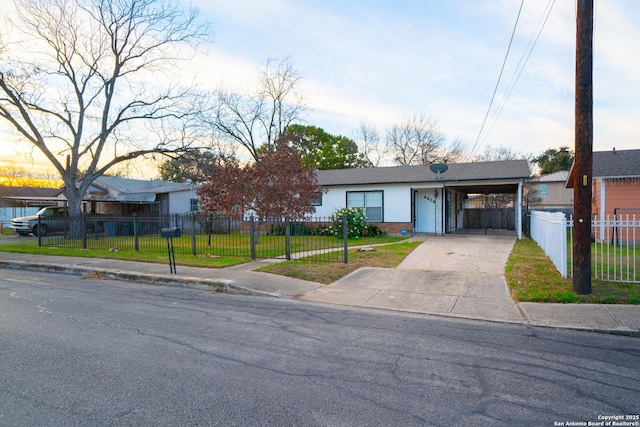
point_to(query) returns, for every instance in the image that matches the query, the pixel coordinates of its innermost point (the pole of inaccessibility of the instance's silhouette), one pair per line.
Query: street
(88, 351)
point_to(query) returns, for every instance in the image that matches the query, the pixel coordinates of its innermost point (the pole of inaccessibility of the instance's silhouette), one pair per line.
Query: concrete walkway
(457, 275)
(460, 276)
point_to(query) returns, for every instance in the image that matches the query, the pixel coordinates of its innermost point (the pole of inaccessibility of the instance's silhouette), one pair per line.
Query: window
(370, 201)
(194, 205)
(317, 200)
(543, 190)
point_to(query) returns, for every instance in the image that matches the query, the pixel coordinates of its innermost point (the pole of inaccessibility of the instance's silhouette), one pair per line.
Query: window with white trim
(370, 201)
(543, 190)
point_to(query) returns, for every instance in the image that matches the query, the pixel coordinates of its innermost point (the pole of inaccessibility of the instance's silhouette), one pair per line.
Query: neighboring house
(22, 201)
(124, 196)
(549, 193)
(414, 199)
(616, 183)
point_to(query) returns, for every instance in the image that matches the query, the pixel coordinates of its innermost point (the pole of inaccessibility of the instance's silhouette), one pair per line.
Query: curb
(183, 282)
(230, 286)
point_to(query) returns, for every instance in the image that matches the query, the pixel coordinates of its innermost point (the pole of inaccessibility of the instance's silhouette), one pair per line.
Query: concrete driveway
(452, 275)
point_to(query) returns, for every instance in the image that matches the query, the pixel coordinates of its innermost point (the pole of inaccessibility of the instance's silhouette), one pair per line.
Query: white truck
(50, 221)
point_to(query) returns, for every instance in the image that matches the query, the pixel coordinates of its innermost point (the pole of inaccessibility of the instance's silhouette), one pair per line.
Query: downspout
(603, 205)
(443, 203)
(519, 211)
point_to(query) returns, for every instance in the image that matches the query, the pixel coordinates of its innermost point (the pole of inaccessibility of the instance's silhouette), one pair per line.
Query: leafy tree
(278, 185)
(256, 121)
(321, 150)
(196, 165)
(553, 160)
(84, 94)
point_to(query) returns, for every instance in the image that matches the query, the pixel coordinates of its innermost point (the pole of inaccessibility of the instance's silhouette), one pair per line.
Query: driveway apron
(454, 275)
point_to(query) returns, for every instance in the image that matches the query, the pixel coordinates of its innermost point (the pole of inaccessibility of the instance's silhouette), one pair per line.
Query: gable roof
(616, 163)
(558, 176)
(612, 164)
(477, 171)
(28, 192)
(127, 190)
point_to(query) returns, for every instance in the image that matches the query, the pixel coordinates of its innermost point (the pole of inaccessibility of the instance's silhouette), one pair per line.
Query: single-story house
(419, 199)
(615, 186)
(549, 193)
(125, 196)
(22, 201)
(615, 183)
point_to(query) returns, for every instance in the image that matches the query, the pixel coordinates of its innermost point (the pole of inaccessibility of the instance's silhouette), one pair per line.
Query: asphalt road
(102, 352)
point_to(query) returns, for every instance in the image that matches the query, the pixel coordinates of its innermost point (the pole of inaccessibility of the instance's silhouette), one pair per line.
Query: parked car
(52, 220)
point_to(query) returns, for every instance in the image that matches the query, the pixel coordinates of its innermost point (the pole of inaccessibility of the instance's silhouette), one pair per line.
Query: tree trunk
(74, 206)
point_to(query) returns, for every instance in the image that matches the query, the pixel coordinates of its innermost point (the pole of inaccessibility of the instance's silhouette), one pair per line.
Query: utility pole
(583, 164)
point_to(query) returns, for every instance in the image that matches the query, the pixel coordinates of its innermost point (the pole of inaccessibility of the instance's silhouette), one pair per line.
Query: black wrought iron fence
(202, 235)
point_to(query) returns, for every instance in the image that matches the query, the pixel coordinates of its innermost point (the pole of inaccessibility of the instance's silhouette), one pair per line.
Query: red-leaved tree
(275, 186)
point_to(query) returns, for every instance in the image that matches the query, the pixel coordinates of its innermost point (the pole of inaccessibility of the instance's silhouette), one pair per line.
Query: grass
(532, 277)
(31, 247)
(387, 256)
(125, 244)
(529, 272)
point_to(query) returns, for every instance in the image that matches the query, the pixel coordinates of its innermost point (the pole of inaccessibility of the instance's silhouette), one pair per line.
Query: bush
(295, 229)
(355, 222)
(323, 230)
(371, 230)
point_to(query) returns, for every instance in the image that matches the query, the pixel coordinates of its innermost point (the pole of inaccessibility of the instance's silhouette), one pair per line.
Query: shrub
(295, 229)
(323, 230)
(355, 222)
(371, 230)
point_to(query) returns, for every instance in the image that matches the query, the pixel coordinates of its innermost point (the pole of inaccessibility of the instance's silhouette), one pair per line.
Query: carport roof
(477, 171)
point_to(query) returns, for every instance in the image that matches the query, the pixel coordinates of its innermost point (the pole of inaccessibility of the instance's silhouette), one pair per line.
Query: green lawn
(155, 249)
(533, 277)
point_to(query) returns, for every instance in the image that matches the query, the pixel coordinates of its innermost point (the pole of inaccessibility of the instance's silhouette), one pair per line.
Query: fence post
(193, 234)
(83, 224)
(39, 233)
(136, 242)
(345, 239)
(287, 238)
(252, 238)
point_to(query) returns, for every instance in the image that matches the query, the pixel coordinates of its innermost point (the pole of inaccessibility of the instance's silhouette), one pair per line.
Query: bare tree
(452, 152)
(12, 175)
(415, 140)
(370, 147)
(493, 154)
(78, 82)
(256, 121)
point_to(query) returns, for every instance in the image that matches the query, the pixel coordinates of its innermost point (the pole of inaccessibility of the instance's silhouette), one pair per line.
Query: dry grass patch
(387, 256)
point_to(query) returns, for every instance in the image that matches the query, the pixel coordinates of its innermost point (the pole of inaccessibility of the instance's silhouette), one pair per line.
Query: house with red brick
(615, 183)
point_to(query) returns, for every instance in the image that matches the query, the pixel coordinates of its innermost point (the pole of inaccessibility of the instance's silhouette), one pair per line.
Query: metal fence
(615, 250)
(202, 235)
(616, 246)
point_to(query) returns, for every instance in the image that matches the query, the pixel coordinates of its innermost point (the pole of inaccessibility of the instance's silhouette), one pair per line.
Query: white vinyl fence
(615, 250)
(549, 230)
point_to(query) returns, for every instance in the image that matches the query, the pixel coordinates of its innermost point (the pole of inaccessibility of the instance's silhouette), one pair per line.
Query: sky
(380, 62)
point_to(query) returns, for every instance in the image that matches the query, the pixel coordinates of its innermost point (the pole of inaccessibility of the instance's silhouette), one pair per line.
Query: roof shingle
(507, 169)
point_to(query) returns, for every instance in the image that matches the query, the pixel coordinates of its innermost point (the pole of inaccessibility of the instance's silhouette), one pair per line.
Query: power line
(504, 62)
(522, 63)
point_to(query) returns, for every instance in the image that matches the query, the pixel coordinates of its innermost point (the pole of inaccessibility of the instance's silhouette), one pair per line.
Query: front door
(425, 211)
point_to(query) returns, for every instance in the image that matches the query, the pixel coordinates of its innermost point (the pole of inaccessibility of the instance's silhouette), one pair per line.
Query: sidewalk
(478, 292)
